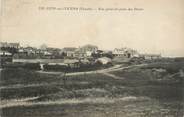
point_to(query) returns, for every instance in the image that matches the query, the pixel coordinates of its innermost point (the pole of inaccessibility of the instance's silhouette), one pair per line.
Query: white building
(151, 56)
(69, 51)
(125, 52)
(104, 60)
(86, 51)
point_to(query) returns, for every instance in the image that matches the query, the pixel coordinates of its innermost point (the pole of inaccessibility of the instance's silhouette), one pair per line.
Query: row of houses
(81, 52)
(69, 52)
(91, 50)
(130, 53)
(9, 45)
(87, 51)
(31, 52)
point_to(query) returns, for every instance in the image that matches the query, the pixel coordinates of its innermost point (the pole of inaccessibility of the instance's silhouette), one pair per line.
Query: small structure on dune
(84, 61)
(104, 60)
(151, 56)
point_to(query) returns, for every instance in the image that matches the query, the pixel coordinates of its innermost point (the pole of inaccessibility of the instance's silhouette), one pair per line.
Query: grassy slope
(165, 93)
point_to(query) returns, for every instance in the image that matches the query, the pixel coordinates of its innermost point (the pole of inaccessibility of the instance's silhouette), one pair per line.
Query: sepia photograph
(98, 58)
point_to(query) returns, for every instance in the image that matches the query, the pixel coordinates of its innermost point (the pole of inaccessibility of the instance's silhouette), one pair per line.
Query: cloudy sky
(157, 28)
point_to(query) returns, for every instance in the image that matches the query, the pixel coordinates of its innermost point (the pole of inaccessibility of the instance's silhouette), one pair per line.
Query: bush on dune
(170, 67)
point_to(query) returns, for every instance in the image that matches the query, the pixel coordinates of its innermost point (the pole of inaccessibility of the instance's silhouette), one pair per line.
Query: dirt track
(113, 68)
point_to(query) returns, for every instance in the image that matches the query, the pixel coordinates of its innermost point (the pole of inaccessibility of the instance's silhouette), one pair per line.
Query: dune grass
(163, 89)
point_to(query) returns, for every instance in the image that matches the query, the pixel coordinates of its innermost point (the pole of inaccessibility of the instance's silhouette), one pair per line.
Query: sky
(156, 28)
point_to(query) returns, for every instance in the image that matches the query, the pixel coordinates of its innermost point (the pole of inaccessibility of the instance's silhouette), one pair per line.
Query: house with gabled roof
(85, 51)
(68, 51)
(125, 52)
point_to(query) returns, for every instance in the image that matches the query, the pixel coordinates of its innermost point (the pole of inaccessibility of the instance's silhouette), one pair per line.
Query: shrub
(55, 67)
(32, 66)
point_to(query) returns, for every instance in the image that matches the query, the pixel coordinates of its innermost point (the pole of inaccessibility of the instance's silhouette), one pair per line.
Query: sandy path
(99, 100)
(28, 85)
(114, 68)
(81, 73)
(112, 75)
